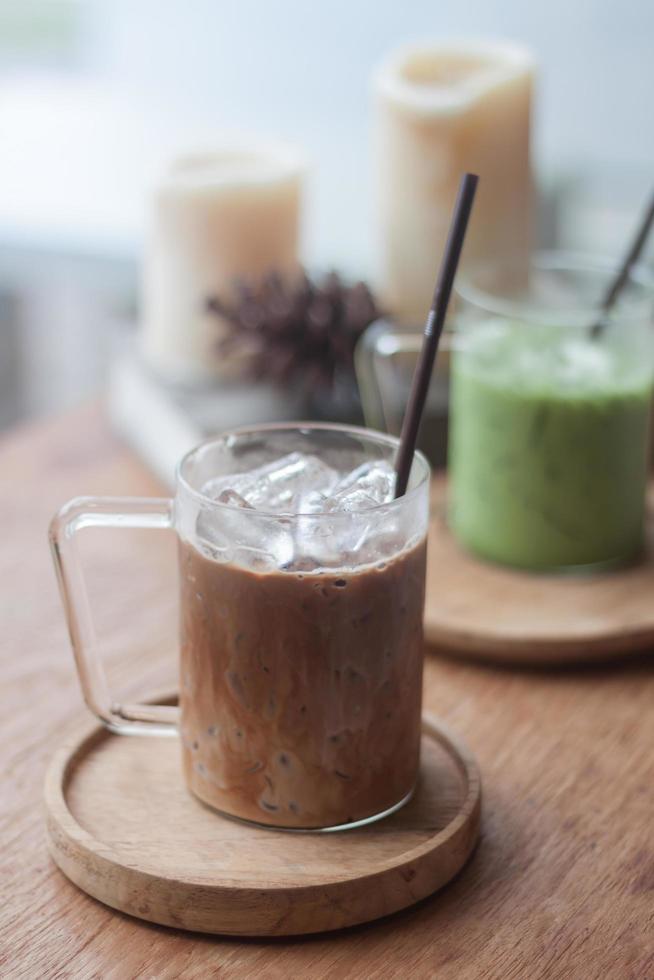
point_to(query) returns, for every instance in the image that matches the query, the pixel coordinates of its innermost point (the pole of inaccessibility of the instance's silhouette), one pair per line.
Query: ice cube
(584, 363)
(212, 536)
(215, 528)
(368, 485)
(353, 531)
(233, 498)
(349, 499)
(283, 486)
(238, 534)
(324, 543)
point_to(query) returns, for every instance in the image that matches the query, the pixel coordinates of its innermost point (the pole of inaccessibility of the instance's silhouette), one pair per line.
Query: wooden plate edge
(295, 910)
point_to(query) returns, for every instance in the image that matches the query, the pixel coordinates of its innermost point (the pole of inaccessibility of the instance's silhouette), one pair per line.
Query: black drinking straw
(622, 275)
(433, 330)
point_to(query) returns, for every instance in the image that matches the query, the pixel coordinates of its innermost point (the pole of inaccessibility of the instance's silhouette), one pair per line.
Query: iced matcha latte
(549, 442)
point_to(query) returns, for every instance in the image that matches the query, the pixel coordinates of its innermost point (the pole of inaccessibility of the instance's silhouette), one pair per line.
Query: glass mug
(301, 633)
(545, 429)
(550, 414)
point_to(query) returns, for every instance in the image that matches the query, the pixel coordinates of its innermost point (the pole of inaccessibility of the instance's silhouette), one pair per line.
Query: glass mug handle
(375, 352)
(114, 512)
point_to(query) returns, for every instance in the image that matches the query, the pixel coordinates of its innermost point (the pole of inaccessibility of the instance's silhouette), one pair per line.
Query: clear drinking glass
(301, 633)
(549, 418)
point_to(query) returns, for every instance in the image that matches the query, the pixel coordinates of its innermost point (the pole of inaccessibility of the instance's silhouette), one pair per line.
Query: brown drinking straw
(433, 330)
(622, 275)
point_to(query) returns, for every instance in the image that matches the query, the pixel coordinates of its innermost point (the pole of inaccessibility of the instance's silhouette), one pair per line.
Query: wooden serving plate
(477, 609)
(123, 827)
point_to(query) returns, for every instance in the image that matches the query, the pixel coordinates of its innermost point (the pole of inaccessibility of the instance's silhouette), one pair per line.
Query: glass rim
(372, 435)
(580, 315)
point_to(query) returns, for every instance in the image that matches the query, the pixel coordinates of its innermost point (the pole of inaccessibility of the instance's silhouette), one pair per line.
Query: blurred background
(96, 96)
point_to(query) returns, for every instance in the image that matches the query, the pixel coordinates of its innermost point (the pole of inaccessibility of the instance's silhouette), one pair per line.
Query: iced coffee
(302, 585)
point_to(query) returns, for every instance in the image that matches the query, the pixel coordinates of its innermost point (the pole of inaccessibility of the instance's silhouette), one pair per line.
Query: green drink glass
(549, 423)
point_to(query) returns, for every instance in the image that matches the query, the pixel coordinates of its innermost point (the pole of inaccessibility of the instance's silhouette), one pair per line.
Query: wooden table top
(561, 885)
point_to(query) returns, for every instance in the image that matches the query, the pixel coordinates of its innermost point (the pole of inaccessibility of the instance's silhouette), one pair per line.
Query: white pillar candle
(441, 109)
(216, 218)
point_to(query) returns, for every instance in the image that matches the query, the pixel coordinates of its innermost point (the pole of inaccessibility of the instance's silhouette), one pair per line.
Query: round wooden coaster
(123, 827)
(486, 611)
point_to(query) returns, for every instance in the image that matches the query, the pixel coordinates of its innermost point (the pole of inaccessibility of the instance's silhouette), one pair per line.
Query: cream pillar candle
(442, 109)
(215, 218)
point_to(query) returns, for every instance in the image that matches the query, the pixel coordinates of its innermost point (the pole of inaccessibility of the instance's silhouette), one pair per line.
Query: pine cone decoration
(303, 332)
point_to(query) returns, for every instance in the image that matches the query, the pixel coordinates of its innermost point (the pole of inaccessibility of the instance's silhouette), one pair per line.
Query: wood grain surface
(123, 826)
(561, 885)
(490, 612)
